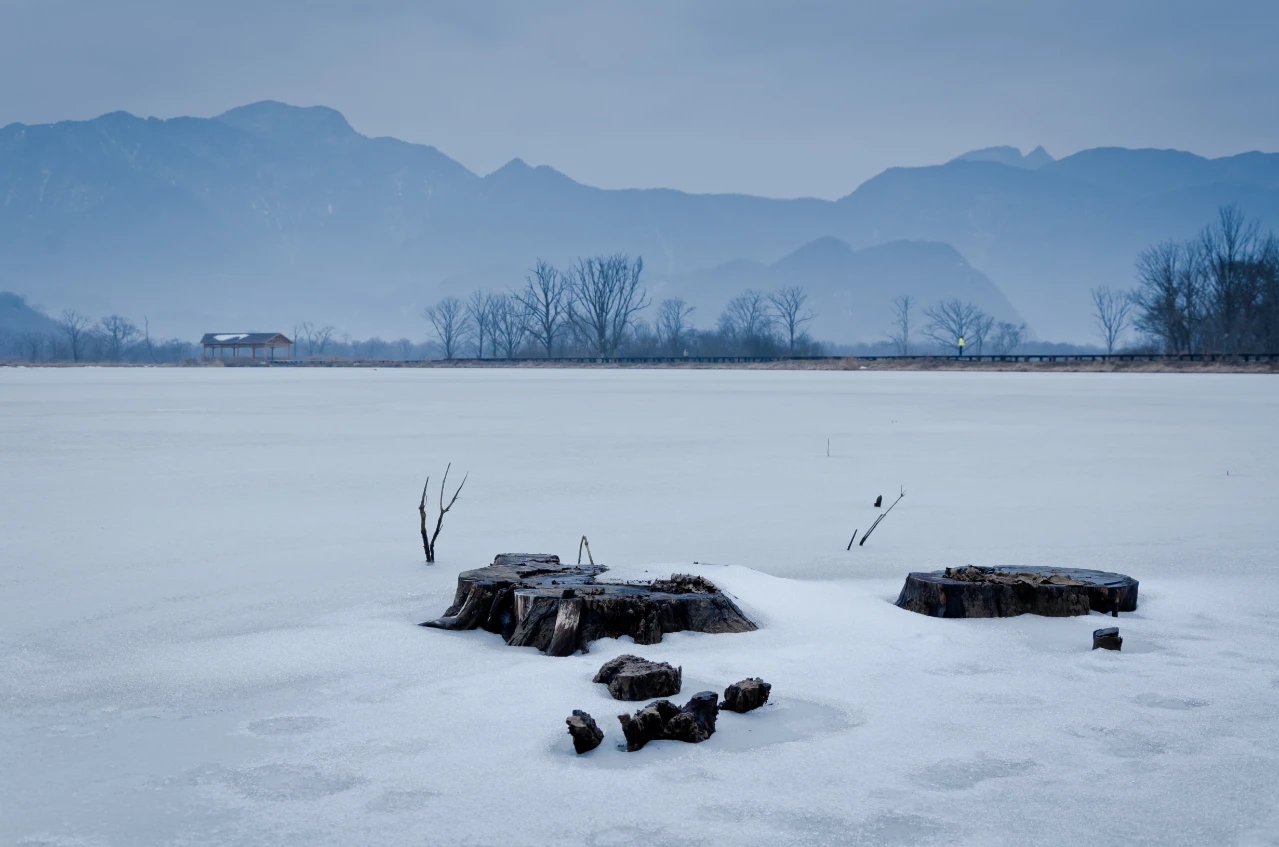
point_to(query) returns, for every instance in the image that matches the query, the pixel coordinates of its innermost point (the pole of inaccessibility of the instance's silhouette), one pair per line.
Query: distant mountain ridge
(18, 317)
(1010, 156)
(269, 214)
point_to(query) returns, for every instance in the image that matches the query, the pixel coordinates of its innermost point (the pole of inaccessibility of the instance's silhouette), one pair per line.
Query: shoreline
(850, 363)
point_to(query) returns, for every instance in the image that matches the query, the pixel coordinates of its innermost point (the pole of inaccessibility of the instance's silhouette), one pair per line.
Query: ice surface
(210, 579)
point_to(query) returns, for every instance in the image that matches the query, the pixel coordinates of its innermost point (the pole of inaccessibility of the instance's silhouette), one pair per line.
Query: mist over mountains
(271, 214)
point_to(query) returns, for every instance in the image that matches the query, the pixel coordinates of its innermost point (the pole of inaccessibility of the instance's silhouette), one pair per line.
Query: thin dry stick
(881, 517)
(587, 545)
(421, 511)
(439, 522)
(428, 542)
(851, 540)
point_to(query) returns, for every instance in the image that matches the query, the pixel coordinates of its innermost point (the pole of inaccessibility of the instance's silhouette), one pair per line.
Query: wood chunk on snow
(746, 695)
(586, 733)
(633, 678)
(663, 720)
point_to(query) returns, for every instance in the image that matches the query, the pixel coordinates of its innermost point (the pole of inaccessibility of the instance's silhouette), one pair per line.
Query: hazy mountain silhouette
(851, 291)
(1010, 156)
(17, 316)
(270, 214)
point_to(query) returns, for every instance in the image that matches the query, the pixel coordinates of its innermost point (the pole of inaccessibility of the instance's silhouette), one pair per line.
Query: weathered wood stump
(586, 733)
(531, 600)
(1001, 592)
(632, 678)
(1107, 639)
(746, 695)
(663, 720)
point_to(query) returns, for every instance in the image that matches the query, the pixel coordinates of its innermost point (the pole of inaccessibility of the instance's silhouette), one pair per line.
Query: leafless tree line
(1218, 292)
(946, 322)
(75, 337)
(595, 308)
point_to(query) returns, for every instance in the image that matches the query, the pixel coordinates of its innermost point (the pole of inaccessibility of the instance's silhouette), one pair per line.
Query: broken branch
(881, 517)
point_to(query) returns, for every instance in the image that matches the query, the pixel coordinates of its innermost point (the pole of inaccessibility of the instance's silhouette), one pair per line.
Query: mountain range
(270, 214)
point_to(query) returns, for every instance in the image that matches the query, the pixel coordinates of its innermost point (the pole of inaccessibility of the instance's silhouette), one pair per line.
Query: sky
(781, 99)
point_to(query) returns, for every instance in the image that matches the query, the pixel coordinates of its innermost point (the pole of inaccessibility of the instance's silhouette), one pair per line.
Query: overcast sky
(784, 99)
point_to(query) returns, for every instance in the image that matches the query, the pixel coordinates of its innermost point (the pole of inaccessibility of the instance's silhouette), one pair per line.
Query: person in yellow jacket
(961, 345)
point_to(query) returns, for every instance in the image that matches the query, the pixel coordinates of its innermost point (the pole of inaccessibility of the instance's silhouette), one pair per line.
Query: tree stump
(632, 678)
(586, 733)
(532, 600)
(663, 720)
(1000, 592)
(746, 695)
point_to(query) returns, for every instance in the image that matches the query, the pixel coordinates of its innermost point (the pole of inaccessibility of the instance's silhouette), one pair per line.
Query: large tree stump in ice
(534, 601)
(1001, 592)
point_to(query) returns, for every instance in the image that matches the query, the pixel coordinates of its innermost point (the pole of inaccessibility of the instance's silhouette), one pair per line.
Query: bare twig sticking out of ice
(587, 545)
(428, 541)
(880, 518)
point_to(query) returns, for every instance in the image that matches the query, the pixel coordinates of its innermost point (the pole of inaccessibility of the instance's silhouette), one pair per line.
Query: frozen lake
(210, 581)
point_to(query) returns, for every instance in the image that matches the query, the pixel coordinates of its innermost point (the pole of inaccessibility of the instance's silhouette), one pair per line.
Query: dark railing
(716, 360)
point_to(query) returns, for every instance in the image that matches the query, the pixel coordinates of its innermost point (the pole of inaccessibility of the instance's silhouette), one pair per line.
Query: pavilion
(217, 343)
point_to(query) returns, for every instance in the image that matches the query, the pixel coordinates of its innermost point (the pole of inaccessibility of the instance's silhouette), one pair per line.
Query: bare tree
(75, 328)
(981, 330)
(1229, 251)
(747, 319)
(673, 324)
(1267, 269)
(1169, 296)
(510, 325)
(1008, 337)
(951, 320)
(32, 345)
(405, 348)
(790, 314)
(1112, 312)
(479, 314)
(316, 339)
(146, 338)
(900, 335)
(323, 336)
(304, 333)
(449, 320)
(117, 334)
(545, 299)
(605, 293)
(428, 541)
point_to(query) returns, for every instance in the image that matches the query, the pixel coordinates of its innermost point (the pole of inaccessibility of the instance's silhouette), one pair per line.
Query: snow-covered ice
(210, 581)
